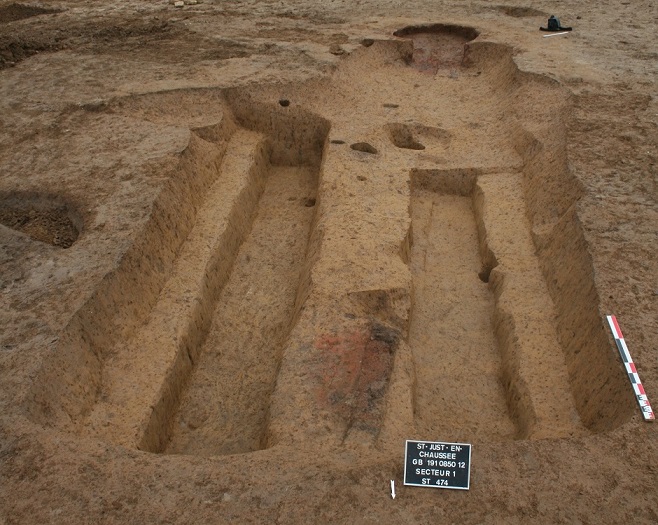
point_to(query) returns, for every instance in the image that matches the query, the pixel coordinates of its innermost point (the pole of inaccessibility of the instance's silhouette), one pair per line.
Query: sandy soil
(250, 248)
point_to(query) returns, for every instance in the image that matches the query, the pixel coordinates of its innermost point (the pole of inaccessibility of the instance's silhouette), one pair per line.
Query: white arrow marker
(393, 489)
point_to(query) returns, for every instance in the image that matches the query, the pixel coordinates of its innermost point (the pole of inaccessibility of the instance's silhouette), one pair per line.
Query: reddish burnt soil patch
(355, 374)
(437, 46)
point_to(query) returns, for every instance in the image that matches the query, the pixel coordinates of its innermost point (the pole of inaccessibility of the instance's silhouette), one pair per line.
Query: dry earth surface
(251, 247)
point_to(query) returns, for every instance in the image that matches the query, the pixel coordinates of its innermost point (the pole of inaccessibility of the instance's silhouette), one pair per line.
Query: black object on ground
(554, 25)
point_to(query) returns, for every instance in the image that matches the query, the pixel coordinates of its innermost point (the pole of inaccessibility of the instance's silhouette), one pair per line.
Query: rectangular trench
(459, 392)
(224, 407)
(143, 376)
(487, 358)
(197, 375)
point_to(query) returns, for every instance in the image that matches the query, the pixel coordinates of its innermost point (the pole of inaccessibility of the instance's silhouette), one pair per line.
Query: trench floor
(224, 408)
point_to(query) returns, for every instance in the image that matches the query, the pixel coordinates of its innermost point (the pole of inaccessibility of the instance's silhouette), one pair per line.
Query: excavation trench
(457, 362)
(178, 349)
(196, 376)
(216, 398)
(224, 407)
(488, 363)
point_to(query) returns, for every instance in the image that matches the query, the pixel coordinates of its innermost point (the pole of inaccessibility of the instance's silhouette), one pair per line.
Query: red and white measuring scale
(642, 400)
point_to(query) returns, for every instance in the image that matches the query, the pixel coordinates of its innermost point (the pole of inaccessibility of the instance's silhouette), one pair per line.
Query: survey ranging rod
(640, 395)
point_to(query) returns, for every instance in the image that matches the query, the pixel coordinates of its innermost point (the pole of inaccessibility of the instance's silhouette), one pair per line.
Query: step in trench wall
(599, 385)
(295, 140)
(540, 109)
(223, 223)
(68, 384)
(552, 193)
